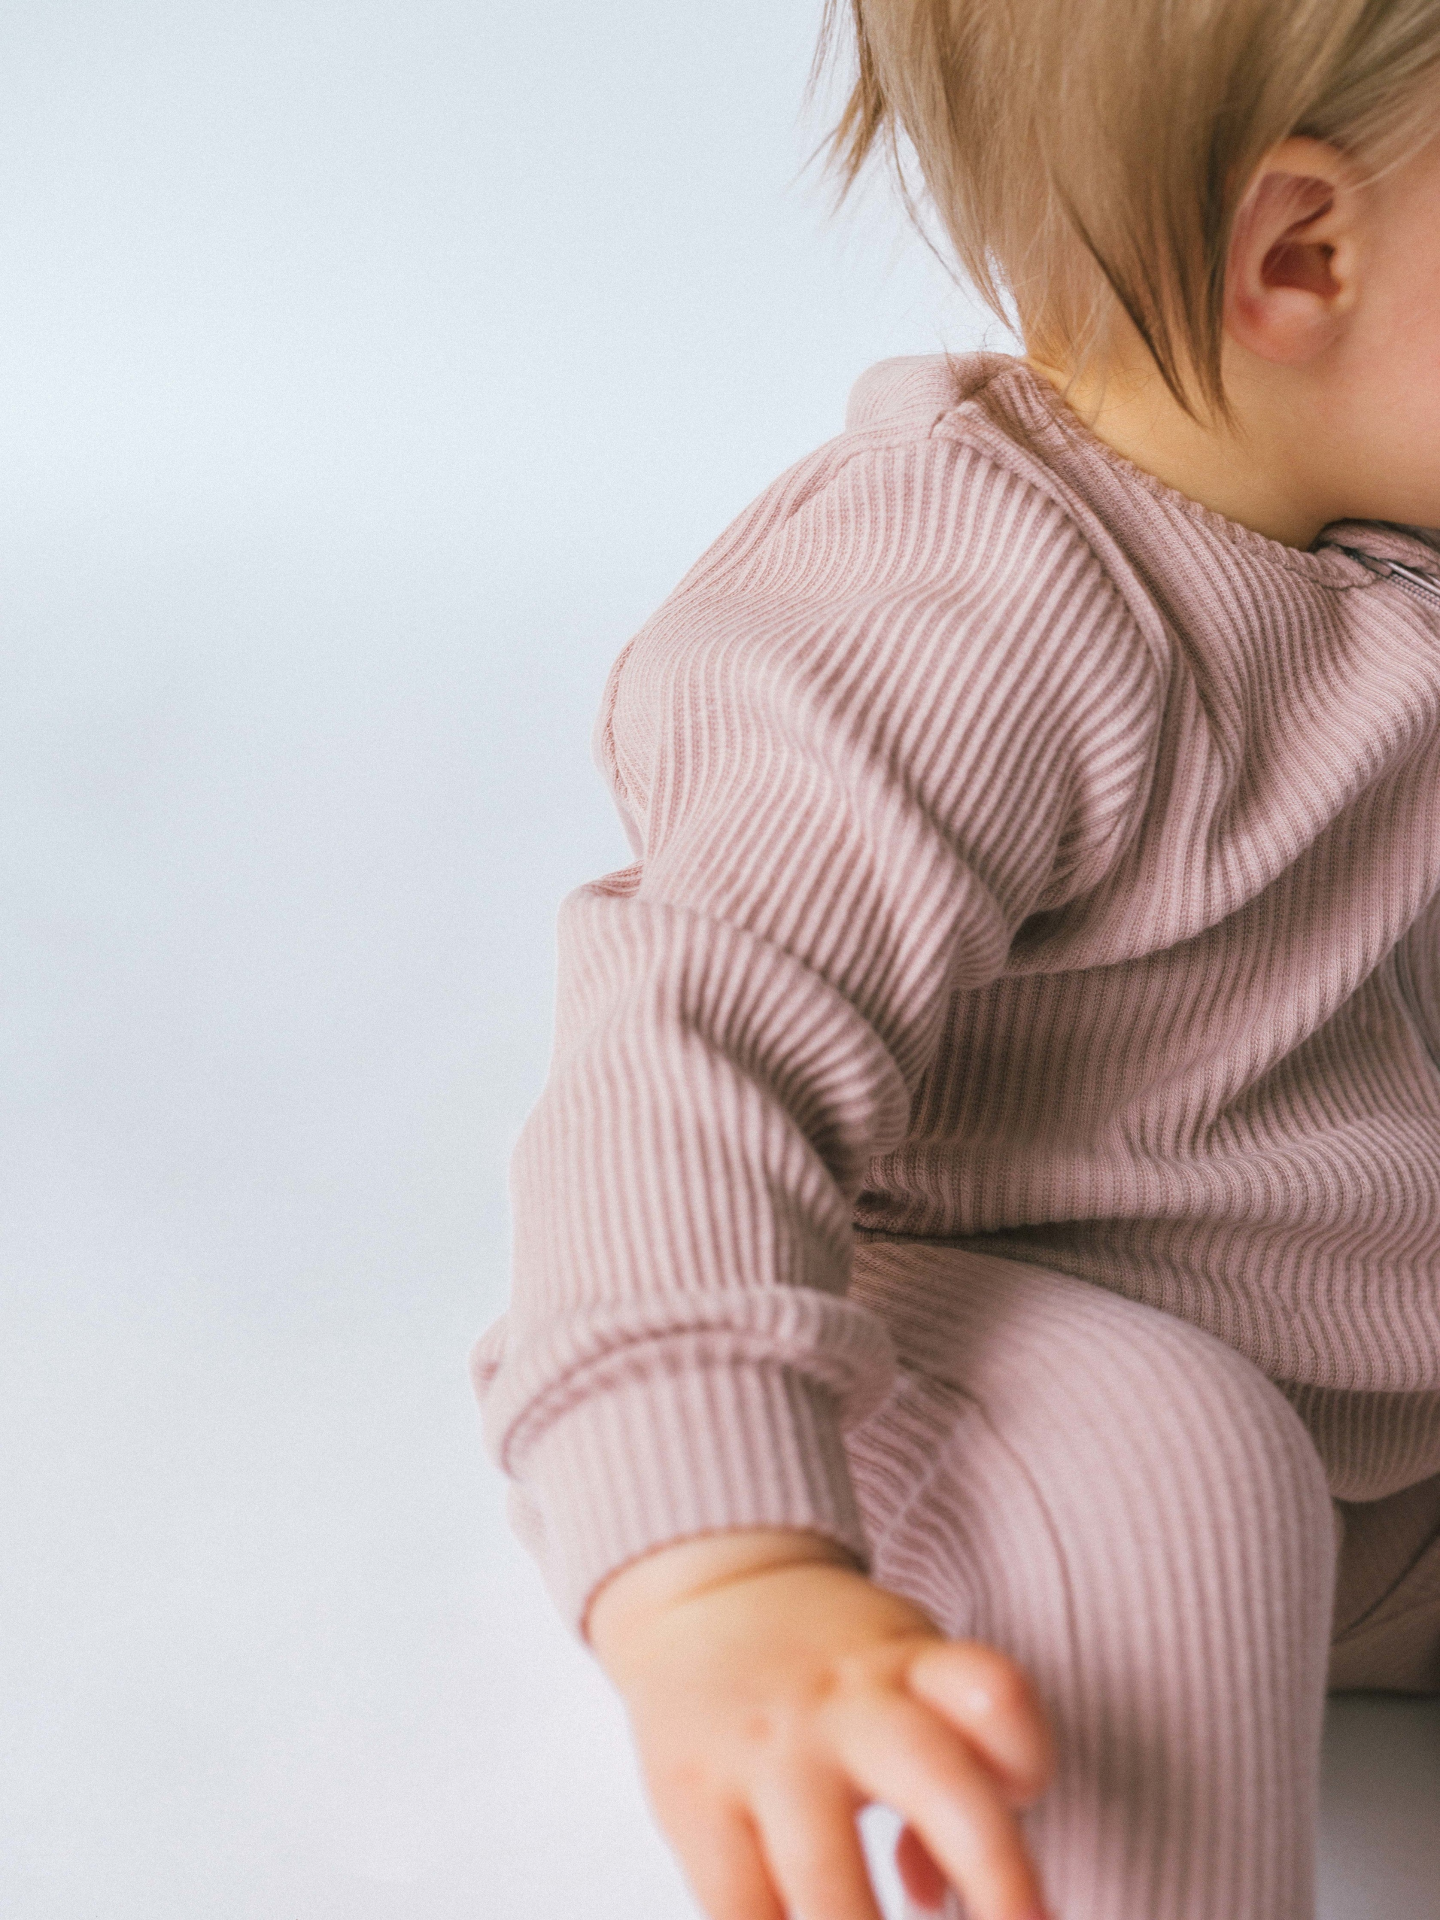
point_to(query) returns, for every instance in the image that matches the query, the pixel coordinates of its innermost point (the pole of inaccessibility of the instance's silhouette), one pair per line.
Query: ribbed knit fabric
(1133, 1512)
(1029, 862)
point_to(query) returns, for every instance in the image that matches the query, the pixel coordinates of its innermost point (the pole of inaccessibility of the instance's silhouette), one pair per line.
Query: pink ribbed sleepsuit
(996, 1121)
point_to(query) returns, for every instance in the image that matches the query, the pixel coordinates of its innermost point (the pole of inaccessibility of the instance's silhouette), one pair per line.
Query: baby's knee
(1214, 1440)
(1146, 1409)
(1111, 1418)
(1221, 1401)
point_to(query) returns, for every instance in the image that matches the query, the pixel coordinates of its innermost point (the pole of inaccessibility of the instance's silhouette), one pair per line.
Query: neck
(1261, 469)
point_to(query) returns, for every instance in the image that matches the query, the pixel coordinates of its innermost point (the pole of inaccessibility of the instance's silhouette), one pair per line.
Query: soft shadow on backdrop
(368, 373)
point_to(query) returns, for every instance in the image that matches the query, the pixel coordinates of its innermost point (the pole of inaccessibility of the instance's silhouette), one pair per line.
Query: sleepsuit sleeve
(897, 709)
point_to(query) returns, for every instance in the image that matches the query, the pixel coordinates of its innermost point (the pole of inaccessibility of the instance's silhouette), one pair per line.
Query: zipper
(1410, 1000)
(1423, 585)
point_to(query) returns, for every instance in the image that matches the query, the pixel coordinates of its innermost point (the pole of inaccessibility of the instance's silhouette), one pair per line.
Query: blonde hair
(1084, 153)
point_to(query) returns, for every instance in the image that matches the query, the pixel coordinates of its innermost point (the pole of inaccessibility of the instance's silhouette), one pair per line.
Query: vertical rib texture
(1029, 862)
(1131, 1510)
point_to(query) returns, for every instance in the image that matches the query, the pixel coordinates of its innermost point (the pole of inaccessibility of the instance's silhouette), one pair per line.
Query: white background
(368, 372)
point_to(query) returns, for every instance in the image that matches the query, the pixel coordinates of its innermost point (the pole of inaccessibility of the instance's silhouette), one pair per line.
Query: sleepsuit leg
(1130, 1509)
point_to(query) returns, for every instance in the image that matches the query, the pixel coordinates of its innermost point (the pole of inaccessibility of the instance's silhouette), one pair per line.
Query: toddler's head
(1223, 212)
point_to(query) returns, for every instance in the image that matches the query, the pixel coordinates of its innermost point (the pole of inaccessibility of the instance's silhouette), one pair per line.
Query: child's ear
(1291, 276)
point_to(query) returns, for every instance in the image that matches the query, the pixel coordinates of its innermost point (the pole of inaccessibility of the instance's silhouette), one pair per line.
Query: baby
(976, 1337)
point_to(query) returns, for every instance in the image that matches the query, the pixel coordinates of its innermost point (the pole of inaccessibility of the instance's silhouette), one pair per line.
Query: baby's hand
(774, 1691)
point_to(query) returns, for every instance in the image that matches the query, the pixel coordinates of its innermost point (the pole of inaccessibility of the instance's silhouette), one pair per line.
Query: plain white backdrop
(368, 372)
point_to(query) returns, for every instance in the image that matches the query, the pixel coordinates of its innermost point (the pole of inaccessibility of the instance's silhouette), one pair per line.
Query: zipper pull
(1426, 584)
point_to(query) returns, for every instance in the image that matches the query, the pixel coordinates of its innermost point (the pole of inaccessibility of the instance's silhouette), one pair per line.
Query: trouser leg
(1127, 1507)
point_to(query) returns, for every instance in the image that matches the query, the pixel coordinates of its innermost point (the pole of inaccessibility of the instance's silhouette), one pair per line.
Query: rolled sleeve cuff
(675, 1453)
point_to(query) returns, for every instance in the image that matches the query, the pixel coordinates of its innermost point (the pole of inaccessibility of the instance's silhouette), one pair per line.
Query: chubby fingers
(898, 1751)
(806, 1818)
(989, 1699)
(725, 1864)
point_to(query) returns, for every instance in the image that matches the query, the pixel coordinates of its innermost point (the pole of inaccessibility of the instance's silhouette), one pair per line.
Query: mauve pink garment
(1130, 1510)
(1028, 859)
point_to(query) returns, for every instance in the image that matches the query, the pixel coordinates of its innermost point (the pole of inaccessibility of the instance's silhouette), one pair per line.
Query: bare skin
(773, 1689)
(1331, 360)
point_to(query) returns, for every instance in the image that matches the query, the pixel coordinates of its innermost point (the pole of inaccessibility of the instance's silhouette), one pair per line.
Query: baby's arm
(773, 1691)
(859, 748)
